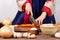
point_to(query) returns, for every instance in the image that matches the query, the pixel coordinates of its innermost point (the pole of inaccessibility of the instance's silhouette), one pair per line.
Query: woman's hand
(28, 9)
(41, 18)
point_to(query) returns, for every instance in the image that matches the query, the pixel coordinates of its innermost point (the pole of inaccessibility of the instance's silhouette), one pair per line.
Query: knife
(33, 20)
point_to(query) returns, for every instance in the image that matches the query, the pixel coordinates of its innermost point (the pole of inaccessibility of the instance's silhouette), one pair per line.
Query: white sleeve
(51, 5)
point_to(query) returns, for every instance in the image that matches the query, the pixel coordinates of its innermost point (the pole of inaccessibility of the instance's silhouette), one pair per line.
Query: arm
(46, 10)
(17, 1)
(49, 7)
(20, 4)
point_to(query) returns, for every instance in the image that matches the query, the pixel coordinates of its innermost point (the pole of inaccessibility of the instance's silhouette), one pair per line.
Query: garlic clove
(33, 36)
(25, 34)
(29, 34)
(57, 35)
(14, 35)
(19, 35)
(33, 28)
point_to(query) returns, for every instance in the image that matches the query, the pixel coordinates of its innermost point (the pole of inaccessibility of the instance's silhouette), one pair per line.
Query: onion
(6, 21)
(6, 32)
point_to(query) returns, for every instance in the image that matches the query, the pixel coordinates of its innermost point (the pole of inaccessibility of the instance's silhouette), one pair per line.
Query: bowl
(48, 29)
(58, 25)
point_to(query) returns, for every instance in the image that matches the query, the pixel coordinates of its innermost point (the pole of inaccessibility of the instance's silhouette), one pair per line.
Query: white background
(8, 8)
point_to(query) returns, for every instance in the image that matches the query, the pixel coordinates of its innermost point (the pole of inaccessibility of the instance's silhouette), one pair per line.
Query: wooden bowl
(58, 25)
(48, 29)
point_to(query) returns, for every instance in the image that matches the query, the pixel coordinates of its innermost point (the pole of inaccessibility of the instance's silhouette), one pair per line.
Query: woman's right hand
(28, 9)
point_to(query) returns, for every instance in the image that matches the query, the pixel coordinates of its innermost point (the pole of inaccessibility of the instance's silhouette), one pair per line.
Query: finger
(36, 20)
(41, 22)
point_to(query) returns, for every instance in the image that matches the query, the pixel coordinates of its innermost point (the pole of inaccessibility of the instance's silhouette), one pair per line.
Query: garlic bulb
(57, 35)
(25, 34)
(19, 35)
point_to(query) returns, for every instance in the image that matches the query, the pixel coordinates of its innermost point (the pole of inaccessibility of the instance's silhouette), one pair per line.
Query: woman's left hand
(41, 18)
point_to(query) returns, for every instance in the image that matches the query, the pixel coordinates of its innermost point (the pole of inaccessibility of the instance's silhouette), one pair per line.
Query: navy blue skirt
(37, 6)
(49, 19)
(19, 18)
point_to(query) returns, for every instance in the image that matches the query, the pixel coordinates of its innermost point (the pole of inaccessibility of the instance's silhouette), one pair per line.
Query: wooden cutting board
(23, 27)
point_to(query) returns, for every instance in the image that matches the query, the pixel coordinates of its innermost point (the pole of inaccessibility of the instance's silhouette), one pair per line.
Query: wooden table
(39, 37)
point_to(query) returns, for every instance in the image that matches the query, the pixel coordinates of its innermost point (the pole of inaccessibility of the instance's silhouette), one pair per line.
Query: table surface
(39, 37)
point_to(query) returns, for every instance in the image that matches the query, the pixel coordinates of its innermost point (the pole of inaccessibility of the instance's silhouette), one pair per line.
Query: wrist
(43, 15)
